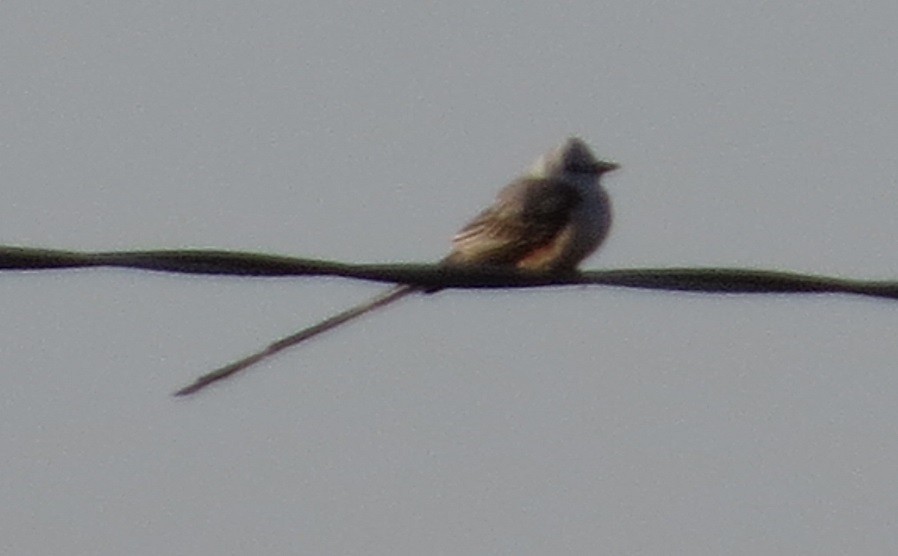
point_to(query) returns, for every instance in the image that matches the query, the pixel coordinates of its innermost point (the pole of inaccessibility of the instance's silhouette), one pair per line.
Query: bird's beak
(603, 166)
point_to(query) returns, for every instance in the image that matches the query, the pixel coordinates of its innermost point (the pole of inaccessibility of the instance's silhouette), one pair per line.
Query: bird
(548, 220)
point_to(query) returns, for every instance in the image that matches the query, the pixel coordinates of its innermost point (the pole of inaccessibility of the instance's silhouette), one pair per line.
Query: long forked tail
(385, 298)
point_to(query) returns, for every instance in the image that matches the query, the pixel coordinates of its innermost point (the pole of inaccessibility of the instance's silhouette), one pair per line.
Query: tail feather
(391, 295)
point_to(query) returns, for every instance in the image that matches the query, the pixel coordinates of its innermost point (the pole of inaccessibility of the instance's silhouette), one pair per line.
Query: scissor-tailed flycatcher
(548, 220)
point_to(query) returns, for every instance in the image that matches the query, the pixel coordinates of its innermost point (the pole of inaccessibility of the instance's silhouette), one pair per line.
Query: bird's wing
(527, 215)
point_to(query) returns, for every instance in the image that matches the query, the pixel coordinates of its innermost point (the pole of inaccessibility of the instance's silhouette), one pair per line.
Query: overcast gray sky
(566, 421)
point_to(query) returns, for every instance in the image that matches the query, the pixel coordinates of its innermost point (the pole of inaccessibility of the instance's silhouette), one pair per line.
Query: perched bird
(547, 220)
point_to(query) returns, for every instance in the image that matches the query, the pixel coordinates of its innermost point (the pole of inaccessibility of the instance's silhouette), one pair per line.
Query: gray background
(542, 422)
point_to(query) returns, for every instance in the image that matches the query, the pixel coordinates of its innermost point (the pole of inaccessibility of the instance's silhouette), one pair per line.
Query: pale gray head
(573, 157)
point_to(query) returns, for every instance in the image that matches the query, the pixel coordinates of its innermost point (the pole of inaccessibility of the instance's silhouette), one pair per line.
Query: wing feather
(526, 216)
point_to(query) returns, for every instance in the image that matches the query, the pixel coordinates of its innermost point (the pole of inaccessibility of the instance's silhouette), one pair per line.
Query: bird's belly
(587, 229)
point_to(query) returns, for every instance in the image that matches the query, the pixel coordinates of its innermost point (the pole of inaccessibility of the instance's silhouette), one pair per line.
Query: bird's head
(571, 157)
